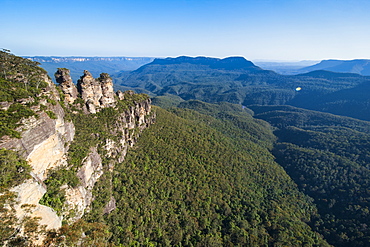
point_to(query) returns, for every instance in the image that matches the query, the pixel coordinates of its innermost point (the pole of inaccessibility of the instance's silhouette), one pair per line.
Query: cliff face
(125, 131)
(43, 144)
(46, 138)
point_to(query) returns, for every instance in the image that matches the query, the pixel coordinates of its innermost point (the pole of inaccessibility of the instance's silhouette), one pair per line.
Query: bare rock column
(89, 88)
(107, 99)
(63, 77)
(97, 93)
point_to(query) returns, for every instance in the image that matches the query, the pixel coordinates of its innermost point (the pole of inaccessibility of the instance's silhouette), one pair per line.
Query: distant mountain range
(359, 66)
(239, 81)
(95, 65)
(118, 65)
(337, 87)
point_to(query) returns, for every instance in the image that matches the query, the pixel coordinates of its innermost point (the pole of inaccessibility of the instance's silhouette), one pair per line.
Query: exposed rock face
(107, 99)
(79, 198)
(120, 95)
(43, 144)
(127, 128)
(45, 141)
(30, 192)
(97, 93)
(69, 89)
(89, 88)
(111, 205)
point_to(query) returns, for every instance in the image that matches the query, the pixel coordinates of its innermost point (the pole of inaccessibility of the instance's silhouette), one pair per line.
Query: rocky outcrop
(97, 93)
(43, 143)
(127, 129)
(69, 89)
(111, 205)
(46, 137)
(107, 99)
(29, 193)
(120, 95)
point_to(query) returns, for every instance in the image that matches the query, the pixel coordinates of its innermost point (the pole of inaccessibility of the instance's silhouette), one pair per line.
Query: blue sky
(260, 29)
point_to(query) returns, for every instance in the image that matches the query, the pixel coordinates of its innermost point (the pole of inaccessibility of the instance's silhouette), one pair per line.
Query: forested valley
(208, 180)
(233, 158)
(328, 157)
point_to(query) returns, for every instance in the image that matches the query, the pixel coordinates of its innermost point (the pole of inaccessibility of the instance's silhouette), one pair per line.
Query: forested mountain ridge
(359, 66)
(161, 73)
(214, 186)
(328, 157)
(204, 174)
(188, 182)
(238, 81)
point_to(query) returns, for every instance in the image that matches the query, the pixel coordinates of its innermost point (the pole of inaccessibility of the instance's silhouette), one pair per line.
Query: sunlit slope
(187, 182)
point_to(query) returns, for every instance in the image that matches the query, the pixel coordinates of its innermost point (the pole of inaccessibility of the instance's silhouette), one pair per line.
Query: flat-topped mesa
(63, 77)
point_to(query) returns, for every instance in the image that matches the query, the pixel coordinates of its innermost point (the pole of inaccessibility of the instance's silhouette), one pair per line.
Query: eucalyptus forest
(236, 156)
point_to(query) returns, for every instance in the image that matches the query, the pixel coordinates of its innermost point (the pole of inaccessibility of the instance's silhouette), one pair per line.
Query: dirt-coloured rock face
(97, 93)
(107, 99)
(45, 140)
(79, 198)
(43, 144)
(69, 89)
(29, 193)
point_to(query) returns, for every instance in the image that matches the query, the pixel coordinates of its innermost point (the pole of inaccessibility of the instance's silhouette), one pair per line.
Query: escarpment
(115, 120)
(89, 117)
(43, 143)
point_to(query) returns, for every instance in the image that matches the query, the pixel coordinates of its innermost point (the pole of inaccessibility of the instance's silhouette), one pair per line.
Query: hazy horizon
(285, 30)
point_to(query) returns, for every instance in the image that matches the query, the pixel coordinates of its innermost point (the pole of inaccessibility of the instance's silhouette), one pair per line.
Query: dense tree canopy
(188, 183)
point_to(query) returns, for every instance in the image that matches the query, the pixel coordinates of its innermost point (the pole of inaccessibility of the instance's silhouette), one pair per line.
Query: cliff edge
(44, 125)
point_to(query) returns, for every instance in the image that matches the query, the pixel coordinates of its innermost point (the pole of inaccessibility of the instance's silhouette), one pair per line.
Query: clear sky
(254, 29)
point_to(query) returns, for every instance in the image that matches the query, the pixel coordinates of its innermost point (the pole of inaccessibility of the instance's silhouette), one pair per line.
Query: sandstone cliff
(97, 93)
(45, 139)
(43, 144)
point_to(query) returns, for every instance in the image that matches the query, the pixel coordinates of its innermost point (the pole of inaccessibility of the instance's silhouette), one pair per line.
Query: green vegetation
(233, 120)
(9, 119)
(13, 169)
(94, 234)
(9, 229)
(188, 183)
(328, 157)
(51, 114)
(7, 215)
(55, 196)
(21, 82)
(21, 78)
(204, 174)
(167, 101)
(240, 82)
